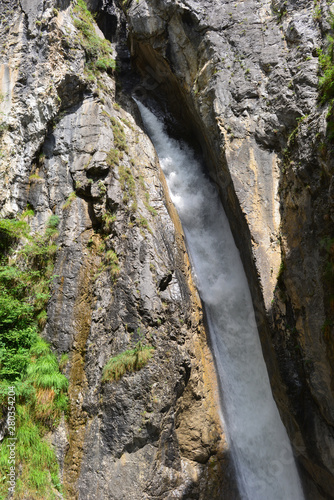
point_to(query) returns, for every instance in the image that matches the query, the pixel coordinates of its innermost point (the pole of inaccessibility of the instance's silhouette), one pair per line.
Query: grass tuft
(128, 361)
(69, 200)
(26, 360)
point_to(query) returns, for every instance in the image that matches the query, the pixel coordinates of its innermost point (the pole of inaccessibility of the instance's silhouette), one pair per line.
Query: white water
(261, 451)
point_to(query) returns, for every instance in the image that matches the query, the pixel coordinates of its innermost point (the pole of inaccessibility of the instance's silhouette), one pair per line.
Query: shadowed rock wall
(245, 76)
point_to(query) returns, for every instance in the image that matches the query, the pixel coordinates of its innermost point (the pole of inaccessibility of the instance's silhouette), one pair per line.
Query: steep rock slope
(246, 74)
(122, 276)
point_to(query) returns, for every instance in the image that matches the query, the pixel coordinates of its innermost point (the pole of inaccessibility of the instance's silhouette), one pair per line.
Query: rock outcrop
(72, 145)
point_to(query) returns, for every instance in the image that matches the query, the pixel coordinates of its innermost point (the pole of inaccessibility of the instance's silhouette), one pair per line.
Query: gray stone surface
(123, 439)
(246, 74)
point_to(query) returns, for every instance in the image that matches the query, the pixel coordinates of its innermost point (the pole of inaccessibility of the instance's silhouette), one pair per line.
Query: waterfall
(260, 448)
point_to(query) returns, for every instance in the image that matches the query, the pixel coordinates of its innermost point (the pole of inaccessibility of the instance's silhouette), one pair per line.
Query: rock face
(72, 145)
(247, 75)
(240, 79)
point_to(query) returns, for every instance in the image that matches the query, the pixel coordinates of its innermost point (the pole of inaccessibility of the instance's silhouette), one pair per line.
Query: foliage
(128, 361)
(26, 360)
(111, 261)
(71, 197)
(326, 64)
(113, 157)
(105, 64)
(128, 186)
(142, 222)
(98, 51)
(148, 206)
(119, 135)
(108, 220)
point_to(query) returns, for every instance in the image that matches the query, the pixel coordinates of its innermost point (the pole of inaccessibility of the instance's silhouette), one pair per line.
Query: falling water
(261, 451)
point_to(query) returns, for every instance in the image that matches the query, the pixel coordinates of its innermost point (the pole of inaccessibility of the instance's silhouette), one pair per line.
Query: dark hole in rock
(164, 282)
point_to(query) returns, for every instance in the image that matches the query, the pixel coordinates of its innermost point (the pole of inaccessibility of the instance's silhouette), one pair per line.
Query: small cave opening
(107, 17)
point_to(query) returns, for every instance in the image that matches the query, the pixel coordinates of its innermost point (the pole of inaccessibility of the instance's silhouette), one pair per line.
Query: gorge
(80, 180)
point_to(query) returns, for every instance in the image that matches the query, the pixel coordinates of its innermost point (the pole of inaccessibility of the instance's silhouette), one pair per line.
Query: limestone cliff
(247, 75)
(72, 145)
(241, 80)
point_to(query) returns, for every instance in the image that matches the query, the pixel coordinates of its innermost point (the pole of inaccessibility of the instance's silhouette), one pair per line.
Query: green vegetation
(102, 188)
(142, 222)
(128, 186)
(317, 10)
(35, 178)
(128, 361)
(113, 157)
(326, 64)
(69, 200)
(326, 81)
(108, 221)
(98, 51)
(111, 261)
(26, 361)
(148, 206)
(119, 135)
